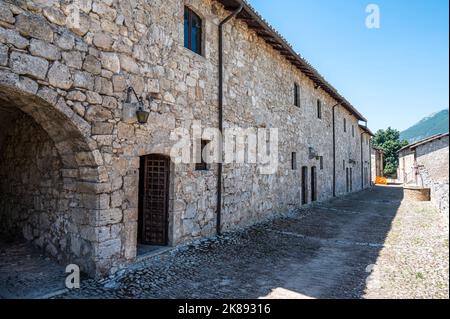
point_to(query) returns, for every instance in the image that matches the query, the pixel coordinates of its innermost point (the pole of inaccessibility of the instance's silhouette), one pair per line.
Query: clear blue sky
(394, 75)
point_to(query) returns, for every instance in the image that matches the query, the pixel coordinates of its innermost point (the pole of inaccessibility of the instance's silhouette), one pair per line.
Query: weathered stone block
(76, 96)
(13, 37)
(83, 80)
(103, 41)
(73, 59)
(104, 11)
(106, 251)
(110, 102)
(48, 94)
(3, 54)
(79, 26)
(34, 26)
(28, 85)
(119, 83)
(45, 50)
(110, 61)
(108, 216)
(59, 76)
(79, 108)
(27, 64)
(92, 65)
(102, 128)
(6, 14)
(93, 97)
(65, 40)
(125, 130)
(128, 64)
(117, 199)
(54, 15)
(103, 86)
(98, 113)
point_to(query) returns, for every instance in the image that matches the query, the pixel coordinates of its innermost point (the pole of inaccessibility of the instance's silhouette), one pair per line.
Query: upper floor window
(345, 125)
(192, 31)
(296, 94)
(353, 130)
(319, 109)
(294, 161)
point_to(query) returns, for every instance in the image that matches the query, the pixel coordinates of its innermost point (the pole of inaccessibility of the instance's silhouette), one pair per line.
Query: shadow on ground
(324, 252)
(25, 273)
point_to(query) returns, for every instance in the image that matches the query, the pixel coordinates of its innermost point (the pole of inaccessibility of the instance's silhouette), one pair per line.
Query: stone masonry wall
(34, 204)
(84, 69)
(432, 159)
(405, 171)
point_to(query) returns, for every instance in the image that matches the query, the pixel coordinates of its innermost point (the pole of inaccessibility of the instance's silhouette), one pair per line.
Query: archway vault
(73, 222)
(69, 132)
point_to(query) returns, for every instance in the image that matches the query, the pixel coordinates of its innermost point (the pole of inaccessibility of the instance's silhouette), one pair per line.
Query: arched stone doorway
(51, 177)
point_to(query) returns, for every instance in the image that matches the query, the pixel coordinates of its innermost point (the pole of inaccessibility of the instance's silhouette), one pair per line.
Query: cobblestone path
(366, 245)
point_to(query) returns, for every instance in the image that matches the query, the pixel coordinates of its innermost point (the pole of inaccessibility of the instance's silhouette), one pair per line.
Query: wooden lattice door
(154, 197)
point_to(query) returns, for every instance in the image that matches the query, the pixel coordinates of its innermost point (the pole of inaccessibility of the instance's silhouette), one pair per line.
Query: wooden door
(347, 181)
(154, 200)
(313, 184)
(351, 179)
(304, 185)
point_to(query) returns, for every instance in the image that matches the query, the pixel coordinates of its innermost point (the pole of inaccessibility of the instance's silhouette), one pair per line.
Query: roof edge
(424, 141)
(255, 21)
(366, 129)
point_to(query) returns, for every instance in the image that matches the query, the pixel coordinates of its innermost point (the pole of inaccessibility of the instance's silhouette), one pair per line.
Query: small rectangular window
(319, 109)
(294, 161)
(345, 125)
(296, 95)
(202, 166)
(321, 162)
(192, 31)
(353, 131)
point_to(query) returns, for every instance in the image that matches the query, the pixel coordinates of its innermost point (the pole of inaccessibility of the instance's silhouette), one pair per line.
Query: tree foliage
(389, 141)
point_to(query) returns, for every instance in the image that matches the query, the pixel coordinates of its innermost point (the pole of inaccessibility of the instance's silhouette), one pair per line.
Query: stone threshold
(152, 254)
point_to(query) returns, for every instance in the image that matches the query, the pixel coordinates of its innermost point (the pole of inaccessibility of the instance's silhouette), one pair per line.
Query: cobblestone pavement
(366, 245)
(26, 273)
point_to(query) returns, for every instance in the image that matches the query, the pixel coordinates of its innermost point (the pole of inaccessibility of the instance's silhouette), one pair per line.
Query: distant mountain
(436, 123)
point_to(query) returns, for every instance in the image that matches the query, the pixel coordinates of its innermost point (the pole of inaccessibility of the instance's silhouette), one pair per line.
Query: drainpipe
(334, 148)
(362, 162)
(220, 166)
(370, 163)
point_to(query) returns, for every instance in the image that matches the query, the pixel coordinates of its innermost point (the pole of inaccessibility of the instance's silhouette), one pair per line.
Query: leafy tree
(389, 141)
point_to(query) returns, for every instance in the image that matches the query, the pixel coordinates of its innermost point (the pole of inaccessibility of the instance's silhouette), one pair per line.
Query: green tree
(389, 141)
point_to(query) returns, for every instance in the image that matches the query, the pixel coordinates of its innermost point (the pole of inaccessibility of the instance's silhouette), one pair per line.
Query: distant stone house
(85, 179)
(377, 162)
(425, 163)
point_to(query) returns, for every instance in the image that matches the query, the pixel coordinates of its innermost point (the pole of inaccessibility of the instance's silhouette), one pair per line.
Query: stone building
(84, 180)
(377, 162)
(425, 164)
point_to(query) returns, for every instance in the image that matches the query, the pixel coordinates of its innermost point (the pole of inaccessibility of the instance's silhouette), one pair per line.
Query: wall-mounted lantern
(313, 154)
(141, 115)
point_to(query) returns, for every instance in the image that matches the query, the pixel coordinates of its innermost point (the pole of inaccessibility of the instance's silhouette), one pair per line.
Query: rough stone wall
(34, 203)
(405, 171)
(432, 159)
(366, 160)
(377, 163)
(348, 151)
(84, 70)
